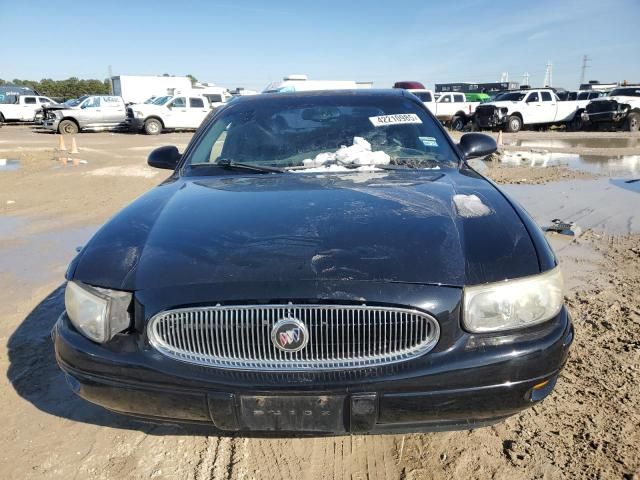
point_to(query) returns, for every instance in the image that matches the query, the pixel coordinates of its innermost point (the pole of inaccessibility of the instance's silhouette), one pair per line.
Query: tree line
(64, 89)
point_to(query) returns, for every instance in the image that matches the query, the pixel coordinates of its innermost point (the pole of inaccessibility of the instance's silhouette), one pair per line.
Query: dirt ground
(589, 428)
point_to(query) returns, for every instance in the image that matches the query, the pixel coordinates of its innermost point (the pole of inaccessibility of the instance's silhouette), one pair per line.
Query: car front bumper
(482, 380)
(604, 117)
(134, 124)
(51, 124)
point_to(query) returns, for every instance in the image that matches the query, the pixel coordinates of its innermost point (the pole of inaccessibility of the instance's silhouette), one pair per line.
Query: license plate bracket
(299, 413)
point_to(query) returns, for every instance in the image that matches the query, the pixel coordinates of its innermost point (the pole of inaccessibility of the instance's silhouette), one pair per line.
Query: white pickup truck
(517, 109)
(620, 109)
(182, 111)
(450, 108)
(25, 108)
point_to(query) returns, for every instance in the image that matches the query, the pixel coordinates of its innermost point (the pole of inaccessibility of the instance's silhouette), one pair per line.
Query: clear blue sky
(250, 43)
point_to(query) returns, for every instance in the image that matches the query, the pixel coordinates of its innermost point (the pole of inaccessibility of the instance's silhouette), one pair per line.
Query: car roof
(363, 93)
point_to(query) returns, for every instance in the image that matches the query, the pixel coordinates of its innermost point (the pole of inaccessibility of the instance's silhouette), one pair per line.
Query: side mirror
(166, 157)
(475, 145)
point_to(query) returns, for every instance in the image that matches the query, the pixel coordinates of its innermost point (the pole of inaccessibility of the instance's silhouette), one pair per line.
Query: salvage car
(317, 262)
(619, 110)
(183, 111)
(515, 110)
(95, 112)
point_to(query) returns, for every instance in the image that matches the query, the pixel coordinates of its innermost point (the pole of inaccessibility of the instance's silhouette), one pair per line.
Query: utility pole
(548, 75)
(585, 65)
(525, 78)
(504, 77)
(110, 72)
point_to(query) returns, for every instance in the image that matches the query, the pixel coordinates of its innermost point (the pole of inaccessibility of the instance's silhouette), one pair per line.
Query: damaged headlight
(512, 304)
(98, 313)
(139, 114)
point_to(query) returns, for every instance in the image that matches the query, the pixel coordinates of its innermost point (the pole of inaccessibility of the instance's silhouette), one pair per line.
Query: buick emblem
(289, 335)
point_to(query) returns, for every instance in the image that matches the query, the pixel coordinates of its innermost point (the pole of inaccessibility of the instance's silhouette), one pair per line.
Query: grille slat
(340, 337)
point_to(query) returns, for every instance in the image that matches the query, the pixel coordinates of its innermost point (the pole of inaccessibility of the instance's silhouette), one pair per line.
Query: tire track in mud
(331, 458)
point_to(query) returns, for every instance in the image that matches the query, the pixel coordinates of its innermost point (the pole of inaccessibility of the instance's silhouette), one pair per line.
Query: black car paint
(389, 238)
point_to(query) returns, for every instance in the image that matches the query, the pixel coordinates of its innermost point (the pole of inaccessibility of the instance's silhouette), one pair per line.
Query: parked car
(425, 96)
(620, 109)
(454, 110)
(95, 112)
(24, 109)
(185, 111)
(317, 263)
(518, 109)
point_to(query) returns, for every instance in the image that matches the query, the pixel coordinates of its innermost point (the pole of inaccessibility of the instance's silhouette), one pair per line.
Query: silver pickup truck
(96, 112)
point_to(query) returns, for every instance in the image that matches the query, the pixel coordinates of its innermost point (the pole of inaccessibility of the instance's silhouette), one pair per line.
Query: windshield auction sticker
(398, 119)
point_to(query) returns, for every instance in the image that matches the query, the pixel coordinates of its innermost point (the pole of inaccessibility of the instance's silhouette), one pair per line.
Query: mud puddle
(620, 165)
(9, 165)
(604, 204)
(577, 142)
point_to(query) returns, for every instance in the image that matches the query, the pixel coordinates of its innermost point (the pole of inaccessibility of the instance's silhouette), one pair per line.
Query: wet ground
(588, 428)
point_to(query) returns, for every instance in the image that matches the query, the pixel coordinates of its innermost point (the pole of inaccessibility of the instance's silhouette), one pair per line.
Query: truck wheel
(576, 124)
(633, 122)
(457, 123)
(152, 126)
(68, 127)
(514, 124)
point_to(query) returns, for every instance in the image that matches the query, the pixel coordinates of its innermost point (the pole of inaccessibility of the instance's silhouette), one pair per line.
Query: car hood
(376, 226)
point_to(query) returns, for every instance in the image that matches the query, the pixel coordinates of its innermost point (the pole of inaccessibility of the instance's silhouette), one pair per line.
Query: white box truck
(138, 88)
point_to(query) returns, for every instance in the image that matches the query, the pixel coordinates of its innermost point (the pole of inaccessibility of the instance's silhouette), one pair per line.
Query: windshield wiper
(230, 164)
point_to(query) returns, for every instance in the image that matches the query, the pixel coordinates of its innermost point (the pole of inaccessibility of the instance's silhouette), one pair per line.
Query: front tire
(633, 122)
(68, 127)
(576, 124)
(514, 124)
(152, 126)
(457, 123)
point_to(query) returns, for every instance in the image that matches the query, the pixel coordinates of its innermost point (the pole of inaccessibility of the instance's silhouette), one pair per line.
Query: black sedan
(321, 262)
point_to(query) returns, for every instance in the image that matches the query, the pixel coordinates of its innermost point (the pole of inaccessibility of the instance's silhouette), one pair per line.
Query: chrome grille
(340, 336)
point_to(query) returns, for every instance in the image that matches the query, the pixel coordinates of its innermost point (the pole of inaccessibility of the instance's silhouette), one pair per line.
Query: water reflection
(610, 165)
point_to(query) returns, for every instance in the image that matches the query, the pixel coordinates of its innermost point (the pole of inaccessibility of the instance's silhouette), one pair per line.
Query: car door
(90, 113)
(29, 107)
(198, 110)
(445, 106)
(177, 115)
(113, 111)
(551, 111)
(533, 110)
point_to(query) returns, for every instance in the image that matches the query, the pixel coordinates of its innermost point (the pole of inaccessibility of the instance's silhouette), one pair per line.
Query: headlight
(504, 110)
(97, 313)
(511, 304)
(139, 114)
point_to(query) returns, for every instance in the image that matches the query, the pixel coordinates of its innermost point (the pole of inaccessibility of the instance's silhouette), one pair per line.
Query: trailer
(138, 88)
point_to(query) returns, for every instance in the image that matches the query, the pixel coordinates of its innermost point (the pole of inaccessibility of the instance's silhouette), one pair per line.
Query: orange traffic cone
(499, 141)
(74, 147)
(61, 145)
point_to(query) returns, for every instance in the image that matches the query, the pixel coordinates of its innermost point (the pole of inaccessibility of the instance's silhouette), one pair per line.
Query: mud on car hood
(378, 226)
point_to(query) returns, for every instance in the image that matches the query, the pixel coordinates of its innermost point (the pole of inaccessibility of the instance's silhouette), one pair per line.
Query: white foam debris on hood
(334, 167)
(470, 206)
(358, 154)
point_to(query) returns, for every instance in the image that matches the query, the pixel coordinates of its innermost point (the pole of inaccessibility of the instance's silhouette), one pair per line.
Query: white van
(300, 83)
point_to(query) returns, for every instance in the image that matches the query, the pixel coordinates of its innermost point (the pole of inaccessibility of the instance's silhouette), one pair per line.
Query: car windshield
(330, 132)
(74, 102)
(512, 97)
(583, 96)
(161, 100)
(626, 92)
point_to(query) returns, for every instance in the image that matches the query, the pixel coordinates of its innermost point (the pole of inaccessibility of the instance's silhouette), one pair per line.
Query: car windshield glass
(583, 96)
(74, 102)
(512, 97)
(627, 92)
(326, 132)
(161, 100)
